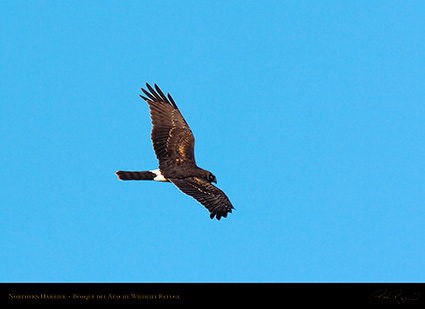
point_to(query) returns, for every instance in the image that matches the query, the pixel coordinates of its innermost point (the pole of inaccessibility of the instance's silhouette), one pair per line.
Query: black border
(276, 294)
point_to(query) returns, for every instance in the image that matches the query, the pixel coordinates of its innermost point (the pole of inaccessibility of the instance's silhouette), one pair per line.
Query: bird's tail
(147, 175)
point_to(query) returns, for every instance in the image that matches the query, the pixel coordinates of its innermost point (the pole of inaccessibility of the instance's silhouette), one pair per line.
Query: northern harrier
(173, 143)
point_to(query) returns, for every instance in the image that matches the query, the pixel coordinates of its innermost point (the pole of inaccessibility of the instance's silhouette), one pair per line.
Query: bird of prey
(173, 143)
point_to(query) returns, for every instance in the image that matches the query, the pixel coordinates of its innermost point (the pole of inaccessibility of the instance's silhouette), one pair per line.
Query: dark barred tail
(123, 175)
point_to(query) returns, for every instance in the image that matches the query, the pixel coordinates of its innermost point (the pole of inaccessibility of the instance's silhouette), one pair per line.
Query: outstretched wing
(211, 197)
(172, 139)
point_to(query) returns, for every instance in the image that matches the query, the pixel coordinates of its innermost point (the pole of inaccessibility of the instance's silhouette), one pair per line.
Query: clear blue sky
(311, 114)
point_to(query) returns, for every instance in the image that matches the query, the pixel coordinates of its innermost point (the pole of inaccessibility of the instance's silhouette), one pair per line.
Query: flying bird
(173, 143)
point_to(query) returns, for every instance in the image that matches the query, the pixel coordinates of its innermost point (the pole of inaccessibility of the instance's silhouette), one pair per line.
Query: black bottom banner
(276, 294)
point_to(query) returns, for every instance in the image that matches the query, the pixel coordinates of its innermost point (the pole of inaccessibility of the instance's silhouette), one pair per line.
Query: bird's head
(211, 178)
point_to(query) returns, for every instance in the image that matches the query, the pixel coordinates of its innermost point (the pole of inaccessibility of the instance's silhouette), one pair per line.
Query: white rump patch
(158, 176)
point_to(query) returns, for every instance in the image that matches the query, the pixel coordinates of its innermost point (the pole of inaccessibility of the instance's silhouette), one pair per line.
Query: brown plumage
(173, 143)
